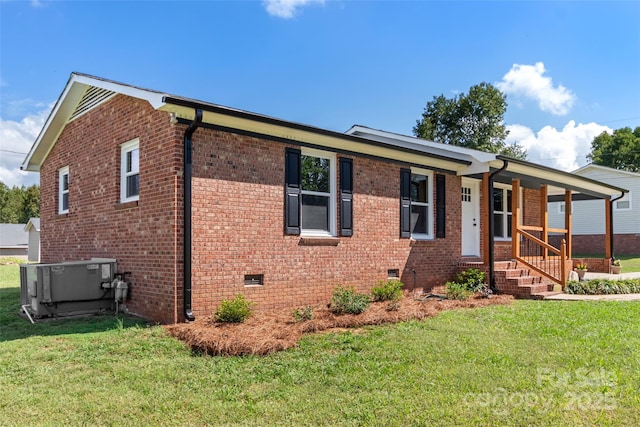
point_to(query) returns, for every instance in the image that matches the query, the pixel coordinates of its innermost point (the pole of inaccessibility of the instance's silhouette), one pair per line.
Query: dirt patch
(268, 332)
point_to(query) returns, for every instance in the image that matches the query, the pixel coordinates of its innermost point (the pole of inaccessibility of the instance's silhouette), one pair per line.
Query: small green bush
(236, 310)
(348, 301)
(603, 287)
(472, 278)
(387, 290)
(457, 291)
(302, 314)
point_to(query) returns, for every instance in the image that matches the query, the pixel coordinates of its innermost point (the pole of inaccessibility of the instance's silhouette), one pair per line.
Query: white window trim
(626, 198)
(332, 194)
(507, 187)
(124, 149)
(61, 192)
(429, 204)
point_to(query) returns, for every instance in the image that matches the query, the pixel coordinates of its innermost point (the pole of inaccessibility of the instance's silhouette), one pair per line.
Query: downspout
(613, 256)
(188, 173)
(492, 275)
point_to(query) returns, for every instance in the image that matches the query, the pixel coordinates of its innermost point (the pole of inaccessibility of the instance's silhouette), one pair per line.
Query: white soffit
(320, 140)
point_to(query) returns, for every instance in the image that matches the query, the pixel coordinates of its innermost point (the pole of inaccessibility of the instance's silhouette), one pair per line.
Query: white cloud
(528, 81)
(286, 8)
(564, 149)
(16, 139)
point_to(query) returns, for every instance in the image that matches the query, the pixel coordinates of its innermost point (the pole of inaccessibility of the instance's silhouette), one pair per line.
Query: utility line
(14, 152)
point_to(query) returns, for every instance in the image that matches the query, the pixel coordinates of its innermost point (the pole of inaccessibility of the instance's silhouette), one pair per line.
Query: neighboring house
(33, 229)
(202, 202)
(589, 218)
(14, 241)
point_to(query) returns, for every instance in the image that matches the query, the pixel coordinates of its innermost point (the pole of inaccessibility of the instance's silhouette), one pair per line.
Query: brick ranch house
(202, 202)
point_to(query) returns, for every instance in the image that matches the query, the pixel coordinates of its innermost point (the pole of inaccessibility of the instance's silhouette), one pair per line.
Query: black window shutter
(405, 203)
(293, 191)
(346, 197)
(441, 203)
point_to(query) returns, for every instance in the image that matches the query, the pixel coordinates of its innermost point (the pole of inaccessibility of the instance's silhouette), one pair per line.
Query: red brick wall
(238, 215)
(623, 244)
(531, 207)
(238, 211)
(145, 237)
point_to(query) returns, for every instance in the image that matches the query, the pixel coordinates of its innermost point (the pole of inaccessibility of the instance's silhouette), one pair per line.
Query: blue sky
(570, 70)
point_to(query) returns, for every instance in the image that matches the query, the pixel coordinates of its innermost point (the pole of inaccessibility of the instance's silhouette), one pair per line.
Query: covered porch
(526, 257)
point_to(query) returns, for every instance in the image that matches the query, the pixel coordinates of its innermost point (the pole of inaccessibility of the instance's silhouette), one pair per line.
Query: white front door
(470, 217)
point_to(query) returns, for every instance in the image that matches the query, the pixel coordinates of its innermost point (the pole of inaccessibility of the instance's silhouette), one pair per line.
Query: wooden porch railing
(540, 256)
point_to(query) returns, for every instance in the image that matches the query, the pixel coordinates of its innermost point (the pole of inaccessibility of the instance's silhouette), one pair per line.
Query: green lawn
(530, 363)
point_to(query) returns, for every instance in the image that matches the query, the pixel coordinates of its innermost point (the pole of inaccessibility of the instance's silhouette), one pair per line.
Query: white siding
(34, 245)
(588, 215)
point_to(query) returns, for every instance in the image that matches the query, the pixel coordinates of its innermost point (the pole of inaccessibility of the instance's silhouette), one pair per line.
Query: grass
(530, 363)
(630, 263)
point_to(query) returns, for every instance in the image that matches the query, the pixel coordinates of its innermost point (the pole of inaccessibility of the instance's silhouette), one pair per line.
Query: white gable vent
(92, 97)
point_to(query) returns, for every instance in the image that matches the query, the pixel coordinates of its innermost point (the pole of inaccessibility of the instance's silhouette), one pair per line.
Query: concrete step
(544, 295)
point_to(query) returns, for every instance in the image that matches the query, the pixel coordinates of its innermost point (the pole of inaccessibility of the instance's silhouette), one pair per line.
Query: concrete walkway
(587, 276)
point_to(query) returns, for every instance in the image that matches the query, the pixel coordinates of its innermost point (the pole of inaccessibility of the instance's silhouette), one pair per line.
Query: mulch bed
(266, 332)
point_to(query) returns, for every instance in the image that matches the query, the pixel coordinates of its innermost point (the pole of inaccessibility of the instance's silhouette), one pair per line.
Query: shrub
(603, 287)
(236, 310)
(302, 314)
(457, 291)
(472, 278)
(348, 301)
(389, 290)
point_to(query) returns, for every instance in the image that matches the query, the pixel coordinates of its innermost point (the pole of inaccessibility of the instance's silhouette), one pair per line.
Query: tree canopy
(472, 120)
(18, 204)
(619, 151)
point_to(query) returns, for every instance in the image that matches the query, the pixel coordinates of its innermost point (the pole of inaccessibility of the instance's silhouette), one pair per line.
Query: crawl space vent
(253, 279)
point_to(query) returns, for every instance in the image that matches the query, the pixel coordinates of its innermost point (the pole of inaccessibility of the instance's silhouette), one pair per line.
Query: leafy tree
(619, 151)
(315, 174)
(473, 120)
(4, 203)
(30, 204)
(18, 204)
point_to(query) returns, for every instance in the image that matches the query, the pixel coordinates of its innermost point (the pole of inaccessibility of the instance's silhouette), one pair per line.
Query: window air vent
(254, 279)
(92, 97)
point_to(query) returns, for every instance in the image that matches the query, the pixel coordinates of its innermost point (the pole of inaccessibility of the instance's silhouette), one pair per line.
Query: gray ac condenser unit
(67, 288)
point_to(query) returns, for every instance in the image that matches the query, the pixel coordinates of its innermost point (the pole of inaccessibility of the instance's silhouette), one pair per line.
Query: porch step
(516, 281)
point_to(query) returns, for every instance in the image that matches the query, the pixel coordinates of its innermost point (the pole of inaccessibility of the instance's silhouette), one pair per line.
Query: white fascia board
(591, 166)
(453, 151)
(66, 105)
(154, 98)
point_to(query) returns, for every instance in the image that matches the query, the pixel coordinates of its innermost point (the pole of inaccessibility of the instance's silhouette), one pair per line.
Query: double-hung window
(310, 187)
(318, 193)
(416, 216)
(502, 213)
(63, 190)
(130, 171)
